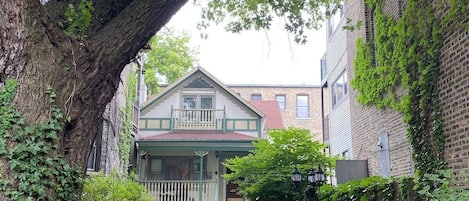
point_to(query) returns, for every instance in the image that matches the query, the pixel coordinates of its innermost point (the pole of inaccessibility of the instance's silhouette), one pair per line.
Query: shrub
(100, 187)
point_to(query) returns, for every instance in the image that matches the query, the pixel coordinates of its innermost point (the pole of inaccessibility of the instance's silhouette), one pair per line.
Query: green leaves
(170, 56)
(78, 19)
(32, 153)
(240, 15)
(266, 171)
(100, 187)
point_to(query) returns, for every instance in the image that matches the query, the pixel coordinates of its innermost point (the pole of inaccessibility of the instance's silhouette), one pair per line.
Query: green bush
(113, 187)
(433, 187)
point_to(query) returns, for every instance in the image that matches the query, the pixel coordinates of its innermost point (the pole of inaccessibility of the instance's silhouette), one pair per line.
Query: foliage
(265, 173)
(407, 53)
(299, 15)
(445, 187)
(170, 56)
(100, 187)
(78, 19)
(371, 188)
(125, 139)
(32, 153)
(395, 189)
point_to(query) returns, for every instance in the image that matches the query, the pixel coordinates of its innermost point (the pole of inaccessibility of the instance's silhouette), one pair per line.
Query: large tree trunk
(83, 73)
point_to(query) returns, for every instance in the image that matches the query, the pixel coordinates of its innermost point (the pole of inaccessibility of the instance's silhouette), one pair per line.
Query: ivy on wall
(407, 58)
(126, 137)
(32, 154)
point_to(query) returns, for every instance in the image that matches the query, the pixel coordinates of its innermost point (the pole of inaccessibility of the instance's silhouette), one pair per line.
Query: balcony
(208, 119)
(181, 190)
(198, 120)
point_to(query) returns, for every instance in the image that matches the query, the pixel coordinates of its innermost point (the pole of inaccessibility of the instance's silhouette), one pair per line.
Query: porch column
(201, 154)
(139, 163)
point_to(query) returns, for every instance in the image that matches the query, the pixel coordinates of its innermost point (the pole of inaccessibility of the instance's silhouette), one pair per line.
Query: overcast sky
(253, 57)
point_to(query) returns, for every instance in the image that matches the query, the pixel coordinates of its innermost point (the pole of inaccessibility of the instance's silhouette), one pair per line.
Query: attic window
(198, 83)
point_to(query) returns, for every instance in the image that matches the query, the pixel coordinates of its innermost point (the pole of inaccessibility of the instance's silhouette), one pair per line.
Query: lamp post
(315, 180)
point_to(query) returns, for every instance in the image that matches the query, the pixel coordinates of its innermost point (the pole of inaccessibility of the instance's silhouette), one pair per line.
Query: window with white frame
(336, 17)
(302, 106)
(339, 89)
(281, 99)
(202, 103)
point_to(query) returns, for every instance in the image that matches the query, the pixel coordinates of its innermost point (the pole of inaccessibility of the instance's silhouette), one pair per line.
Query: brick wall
(313, 123)
(368, 122)
(453, 88)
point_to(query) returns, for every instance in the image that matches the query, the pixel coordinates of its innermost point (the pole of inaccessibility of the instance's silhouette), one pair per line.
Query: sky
(253, 57)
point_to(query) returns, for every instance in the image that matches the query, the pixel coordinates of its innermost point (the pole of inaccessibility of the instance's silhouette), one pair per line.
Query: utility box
(349, 170)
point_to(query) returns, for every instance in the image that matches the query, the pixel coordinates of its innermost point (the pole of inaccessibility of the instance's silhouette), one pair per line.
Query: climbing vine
(403, 75)
(32, 154)
(126, 137)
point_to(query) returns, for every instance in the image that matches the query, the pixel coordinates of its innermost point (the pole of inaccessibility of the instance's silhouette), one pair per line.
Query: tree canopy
(298, 15)
(170, 56)
(265, 173)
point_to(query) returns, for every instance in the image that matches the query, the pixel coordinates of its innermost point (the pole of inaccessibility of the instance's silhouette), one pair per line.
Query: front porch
(182, 190)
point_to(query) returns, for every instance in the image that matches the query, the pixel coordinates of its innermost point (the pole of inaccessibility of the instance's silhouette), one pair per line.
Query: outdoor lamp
(319, 177)
(315, 180)
(296, 177)
(311, 177)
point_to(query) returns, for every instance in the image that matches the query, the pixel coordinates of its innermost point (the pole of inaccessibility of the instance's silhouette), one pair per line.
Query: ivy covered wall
(400, 70)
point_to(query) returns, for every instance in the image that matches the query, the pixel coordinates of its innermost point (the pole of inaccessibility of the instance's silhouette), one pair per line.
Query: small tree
(170, 56)
(265, 173)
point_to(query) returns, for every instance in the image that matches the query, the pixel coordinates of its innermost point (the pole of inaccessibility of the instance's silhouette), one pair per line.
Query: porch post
(224, 119)
(139, 162)
(201, 154)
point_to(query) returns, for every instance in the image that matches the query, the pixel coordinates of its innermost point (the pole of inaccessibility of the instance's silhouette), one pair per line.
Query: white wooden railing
(209, 119)
(170, 190)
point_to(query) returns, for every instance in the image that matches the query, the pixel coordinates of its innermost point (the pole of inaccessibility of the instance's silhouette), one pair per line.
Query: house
(105, 155)
(379, 136)
(189, 129)
(300, 105)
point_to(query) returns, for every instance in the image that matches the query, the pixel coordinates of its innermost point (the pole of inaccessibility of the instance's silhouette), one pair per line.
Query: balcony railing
(208, 119)
(171, 190)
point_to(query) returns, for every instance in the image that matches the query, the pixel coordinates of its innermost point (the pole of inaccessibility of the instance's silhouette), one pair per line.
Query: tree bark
(83, 73)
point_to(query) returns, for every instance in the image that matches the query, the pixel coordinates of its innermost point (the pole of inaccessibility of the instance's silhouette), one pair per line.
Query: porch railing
(170, 190)
(206, 119)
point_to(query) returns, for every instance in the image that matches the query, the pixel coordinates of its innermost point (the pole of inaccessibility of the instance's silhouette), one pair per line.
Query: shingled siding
(268, 92)
(454, 94)
(367, 121)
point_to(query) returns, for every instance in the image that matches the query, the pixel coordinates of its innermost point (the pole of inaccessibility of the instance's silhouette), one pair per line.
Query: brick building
(379, 135)
(300, 105)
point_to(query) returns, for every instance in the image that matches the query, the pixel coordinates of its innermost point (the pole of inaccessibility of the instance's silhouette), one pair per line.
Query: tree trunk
(83, 73)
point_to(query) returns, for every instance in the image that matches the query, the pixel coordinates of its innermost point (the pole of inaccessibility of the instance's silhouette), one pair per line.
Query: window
(175, 168)
(255, 97)
(339, 89)
(202, 103)
(302, 106)
(335, 18)
(92, 159)
(280, 98)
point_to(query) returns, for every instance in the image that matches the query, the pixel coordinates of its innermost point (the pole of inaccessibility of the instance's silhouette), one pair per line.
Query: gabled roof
(273, 117)
(177, 84)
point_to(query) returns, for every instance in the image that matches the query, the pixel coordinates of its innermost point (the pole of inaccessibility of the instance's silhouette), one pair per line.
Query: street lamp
(296, 177)
(315, 180)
